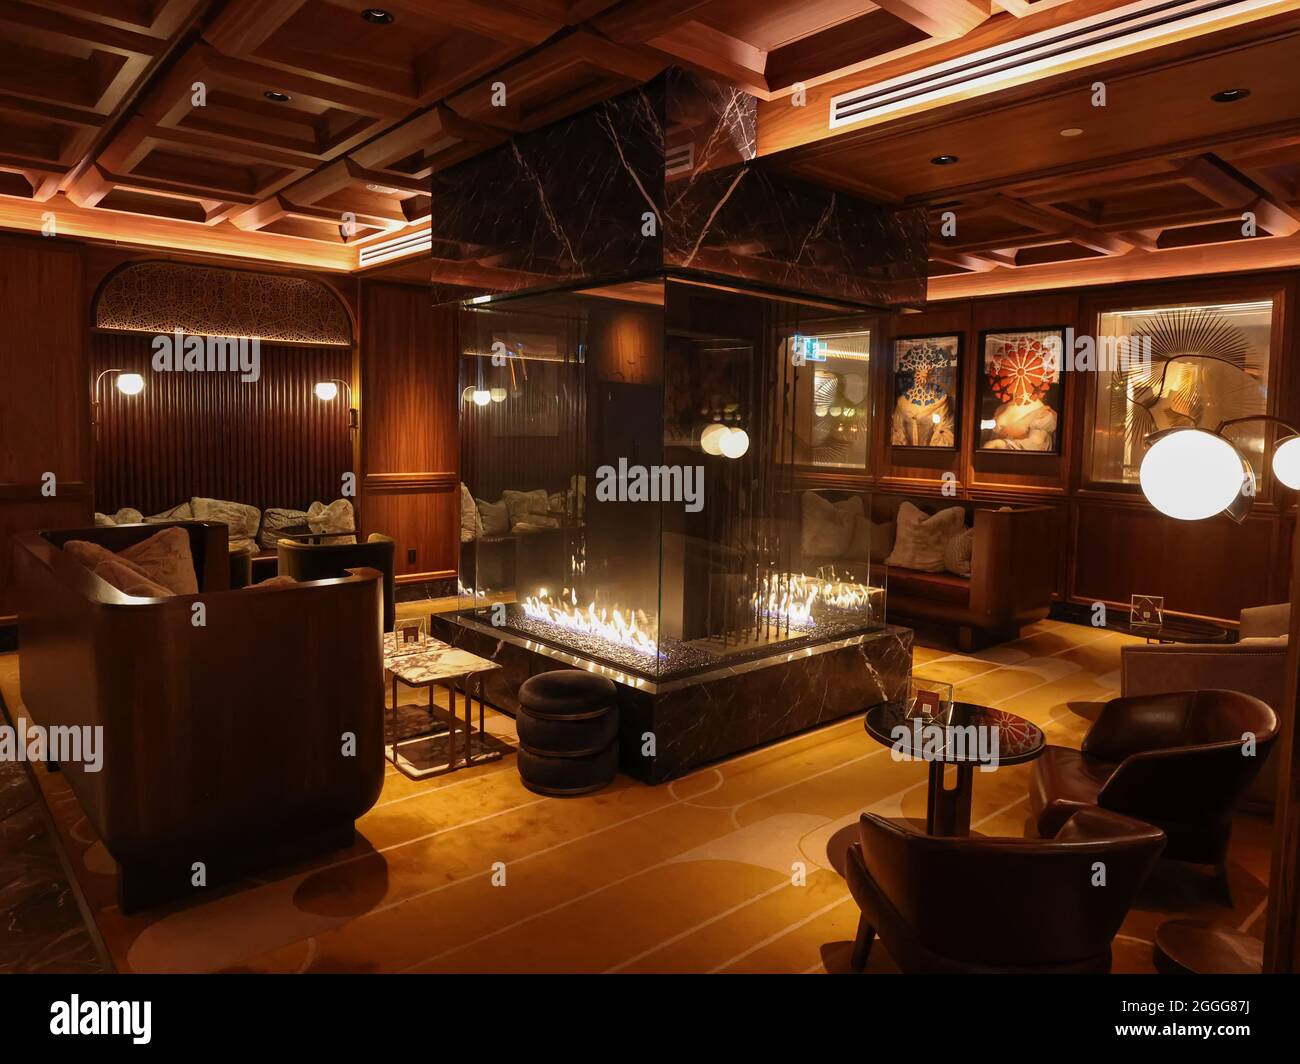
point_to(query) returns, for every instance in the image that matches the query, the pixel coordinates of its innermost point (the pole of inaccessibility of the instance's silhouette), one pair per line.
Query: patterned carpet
(724, 870)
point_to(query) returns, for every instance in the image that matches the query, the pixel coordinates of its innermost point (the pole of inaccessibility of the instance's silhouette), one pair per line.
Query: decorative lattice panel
(160, 297)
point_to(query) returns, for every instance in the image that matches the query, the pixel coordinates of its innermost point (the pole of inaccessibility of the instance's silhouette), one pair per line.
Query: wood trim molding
(402, 483)
(416, 578)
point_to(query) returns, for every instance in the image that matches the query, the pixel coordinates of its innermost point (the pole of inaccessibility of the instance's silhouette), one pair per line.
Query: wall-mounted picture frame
(925, 401)
(1020, 394)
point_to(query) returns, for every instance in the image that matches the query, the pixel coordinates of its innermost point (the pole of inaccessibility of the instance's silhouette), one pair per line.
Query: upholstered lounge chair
(1177, 760)
(317, 561)
(1256, 664)
(251, 740)
(972, 905)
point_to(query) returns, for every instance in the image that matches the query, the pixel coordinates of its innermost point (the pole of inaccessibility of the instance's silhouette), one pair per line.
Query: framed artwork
(1020, 390)
(926, 398)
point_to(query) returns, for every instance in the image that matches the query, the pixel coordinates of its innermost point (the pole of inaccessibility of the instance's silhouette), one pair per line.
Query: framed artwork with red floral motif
(1020, 393)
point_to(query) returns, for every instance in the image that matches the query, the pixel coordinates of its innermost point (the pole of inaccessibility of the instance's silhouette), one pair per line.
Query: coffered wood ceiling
(101, 137)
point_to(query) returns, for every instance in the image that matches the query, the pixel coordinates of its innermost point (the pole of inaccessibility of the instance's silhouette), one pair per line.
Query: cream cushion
(957, 554)
(871, 540)
(826, 528)
(275, 520)
(241, 519)
(921, 539)
(123, 574)
(471, 521)
(525, 505)
(181, 512)
(165, 558)
(494, 518)
(338, 516)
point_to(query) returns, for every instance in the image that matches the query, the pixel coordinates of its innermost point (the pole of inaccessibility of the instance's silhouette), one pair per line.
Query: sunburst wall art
(1020, 391)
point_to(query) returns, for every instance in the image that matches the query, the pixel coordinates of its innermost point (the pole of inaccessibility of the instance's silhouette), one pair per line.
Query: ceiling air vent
(680, 159)
(398, 246)
(1130, 25)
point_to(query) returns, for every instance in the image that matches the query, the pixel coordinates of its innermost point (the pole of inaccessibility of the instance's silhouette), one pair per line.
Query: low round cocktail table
(966, 740)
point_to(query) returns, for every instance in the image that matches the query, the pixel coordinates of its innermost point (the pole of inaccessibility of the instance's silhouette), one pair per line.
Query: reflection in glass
(633, 490)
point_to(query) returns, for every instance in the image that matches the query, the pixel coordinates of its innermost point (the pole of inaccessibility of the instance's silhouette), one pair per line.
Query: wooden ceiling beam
(942, 19)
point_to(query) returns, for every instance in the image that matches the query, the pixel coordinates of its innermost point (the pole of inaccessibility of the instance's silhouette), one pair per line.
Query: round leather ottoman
(568, 732)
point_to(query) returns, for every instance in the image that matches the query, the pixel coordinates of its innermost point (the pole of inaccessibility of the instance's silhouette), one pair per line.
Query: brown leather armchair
(1175, 760)
(1256, 665)
(972, 905)
(319, 561)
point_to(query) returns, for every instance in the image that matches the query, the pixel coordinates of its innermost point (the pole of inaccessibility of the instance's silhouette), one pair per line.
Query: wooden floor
(724, 870)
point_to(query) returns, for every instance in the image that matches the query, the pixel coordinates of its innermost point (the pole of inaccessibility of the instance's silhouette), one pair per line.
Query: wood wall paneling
(410, 484)
(45, 420)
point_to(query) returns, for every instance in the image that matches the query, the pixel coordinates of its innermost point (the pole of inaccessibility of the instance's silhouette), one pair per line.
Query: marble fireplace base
(702, 718)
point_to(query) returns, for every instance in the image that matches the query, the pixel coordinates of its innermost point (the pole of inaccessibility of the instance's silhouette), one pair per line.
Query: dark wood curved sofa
(223, 745)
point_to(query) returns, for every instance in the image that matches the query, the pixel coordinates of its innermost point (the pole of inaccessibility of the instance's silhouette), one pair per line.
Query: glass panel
(831, 416)
(1186, 364)
(631, 451)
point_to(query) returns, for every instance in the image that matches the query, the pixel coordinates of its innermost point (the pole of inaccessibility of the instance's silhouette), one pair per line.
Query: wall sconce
(126, 383)
(1191, 474)
(724, 440)
(327, 391)
(477, 396)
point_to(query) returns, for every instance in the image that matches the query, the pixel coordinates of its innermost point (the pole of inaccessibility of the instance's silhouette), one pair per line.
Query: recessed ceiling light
(382, 189)
(277, 97)
(377, 16)
(1073, 131)
(1230, 95)
(944, 160)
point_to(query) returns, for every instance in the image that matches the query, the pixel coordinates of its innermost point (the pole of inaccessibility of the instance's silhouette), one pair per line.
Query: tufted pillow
(336, 517)
(181, 512)
(871, 540)
(525, 505)
(275, 520)
(956, 555)
(241, 519)
(165, 558)
(921, 539)
(471, 522)
(123, 574)
(827, 527)
(495, 518)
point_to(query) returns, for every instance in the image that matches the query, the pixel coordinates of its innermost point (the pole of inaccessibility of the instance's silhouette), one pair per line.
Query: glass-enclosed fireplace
(631, 450)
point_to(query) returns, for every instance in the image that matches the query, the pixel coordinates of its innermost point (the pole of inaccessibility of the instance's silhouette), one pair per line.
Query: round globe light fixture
(711, 438)
(481, 397)
(498, 395)
(1191, 474)
(327, 391)
(735, 443)
(129, 383)
(1286, 462)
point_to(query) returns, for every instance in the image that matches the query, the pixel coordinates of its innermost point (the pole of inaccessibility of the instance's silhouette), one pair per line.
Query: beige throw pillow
(957, 554)
(471, 523)
(495, 518)
(123, 574)
(241, 519)
(921, 539)
(165, 559)
(275, 520)
(871, 540)
(525, 505)
(182, 512)
(338, 516)
(826, 529)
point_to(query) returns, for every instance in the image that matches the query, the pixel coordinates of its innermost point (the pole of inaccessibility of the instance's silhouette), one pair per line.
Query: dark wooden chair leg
(862, 944)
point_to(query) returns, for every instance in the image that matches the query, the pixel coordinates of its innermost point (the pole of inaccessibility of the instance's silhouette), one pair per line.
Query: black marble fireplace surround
(663, 179)
(702, 718)
(662, 185)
